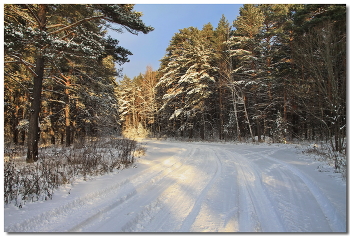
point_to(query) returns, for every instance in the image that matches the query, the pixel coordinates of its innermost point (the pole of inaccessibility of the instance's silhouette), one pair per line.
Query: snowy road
(197, 187)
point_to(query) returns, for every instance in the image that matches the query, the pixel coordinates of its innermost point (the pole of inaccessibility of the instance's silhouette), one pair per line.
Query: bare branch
(54, 26)
(11, 77)
(23, 62)
(77, 23)
(33, 14)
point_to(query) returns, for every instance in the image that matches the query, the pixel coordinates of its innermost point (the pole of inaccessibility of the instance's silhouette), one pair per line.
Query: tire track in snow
(123, 199)
(148, 184)
(54, 219)
(181, 199)
(286, 197)
(218, 209)
(292, 197)
(181, 196)
(332, 216)
(149, 211)
(42, 221)
(260, 214)
(228, 220)
(174, 194)
(147, 199)
(187, 223)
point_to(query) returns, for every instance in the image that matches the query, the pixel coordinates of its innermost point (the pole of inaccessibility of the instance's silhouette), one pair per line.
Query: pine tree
(188, 80)
(169, 93)
(63, 36)
(244, 54)
(319, 52)
(222, 60)
(127, 95)
(148, 99)
(275, 66)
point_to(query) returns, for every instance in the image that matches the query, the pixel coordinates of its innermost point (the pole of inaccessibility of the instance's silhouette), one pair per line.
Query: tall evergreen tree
(275, 69)
(245, 56)
(57, 33)
(222, 60)
(127, 93)
(319, 52)
(190, 83)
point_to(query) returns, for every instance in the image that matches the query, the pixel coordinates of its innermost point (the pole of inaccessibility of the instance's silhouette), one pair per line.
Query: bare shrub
(140, 151)
(333, 158)
(25, 182)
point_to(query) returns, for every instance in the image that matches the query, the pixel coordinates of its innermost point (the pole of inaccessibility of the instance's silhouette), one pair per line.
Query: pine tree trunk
(67, 113)
(247, 117)
(14, 125)
(52, 131)
(234, 101)
(258, 130)
(34, 131)
(62, 137)
(23, 137)
(257, 120)
(202, 129)
(221, 119)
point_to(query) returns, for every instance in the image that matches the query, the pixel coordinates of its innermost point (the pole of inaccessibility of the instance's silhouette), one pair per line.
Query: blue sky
(167, 19)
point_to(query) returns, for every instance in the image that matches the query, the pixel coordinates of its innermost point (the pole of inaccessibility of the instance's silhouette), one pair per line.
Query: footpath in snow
(197, 187)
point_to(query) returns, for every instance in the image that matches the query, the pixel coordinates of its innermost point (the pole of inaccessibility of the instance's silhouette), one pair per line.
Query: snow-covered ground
(197, 187)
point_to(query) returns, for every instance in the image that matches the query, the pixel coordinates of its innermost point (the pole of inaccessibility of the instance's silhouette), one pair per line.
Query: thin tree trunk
(52, 131)
(234, 101)
(202, 129)
(258, 128)
(67, 112)
(15, 123)
(247, 117)
(221, 119)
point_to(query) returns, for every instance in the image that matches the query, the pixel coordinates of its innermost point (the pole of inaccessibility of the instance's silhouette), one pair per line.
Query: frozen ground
(197, 187)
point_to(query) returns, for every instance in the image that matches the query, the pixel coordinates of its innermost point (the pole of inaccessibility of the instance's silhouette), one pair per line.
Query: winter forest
(277, 72)
(241, 128)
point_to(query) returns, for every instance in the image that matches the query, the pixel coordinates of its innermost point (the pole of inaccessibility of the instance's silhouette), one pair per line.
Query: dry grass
(56, 166)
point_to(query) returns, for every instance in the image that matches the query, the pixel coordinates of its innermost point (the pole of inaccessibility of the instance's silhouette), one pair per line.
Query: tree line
(278, 71)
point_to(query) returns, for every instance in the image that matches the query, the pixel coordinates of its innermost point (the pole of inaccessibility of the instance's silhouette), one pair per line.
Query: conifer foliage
(59, 59)
(137, 104)
(277, 72)
(191, 70)
(278, 75)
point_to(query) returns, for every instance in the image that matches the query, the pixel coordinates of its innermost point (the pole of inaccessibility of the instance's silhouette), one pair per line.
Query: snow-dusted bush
(136, 133)
(279, 129)
(25, 182)
(265, 139)
(324, 152)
